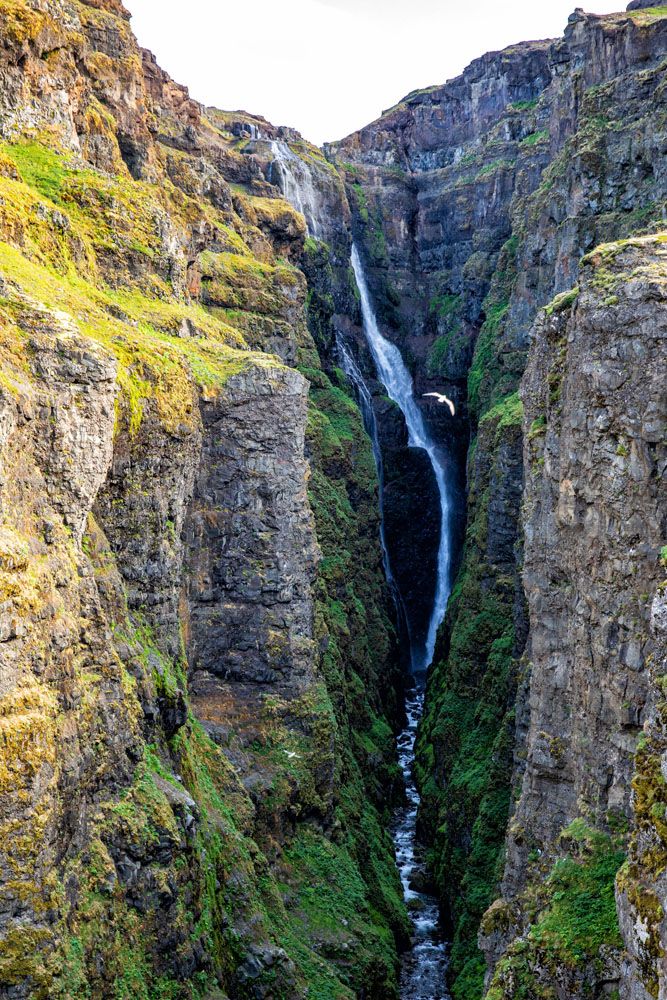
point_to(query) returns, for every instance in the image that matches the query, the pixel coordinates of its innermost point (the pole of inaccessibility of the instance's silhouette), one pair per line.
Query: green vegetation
(436, 363)
(524, 105)
(97, 262)
(649, 14)
(581, 914)
(563, 301)
(489, 169)
(535, 138)
(481, 369)
(444, 305)
(506, 413)
(574, 918)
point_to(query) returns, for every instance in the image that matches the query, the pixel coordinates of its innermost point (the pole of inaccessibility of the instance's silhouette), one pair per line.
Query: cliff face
(474, 203)
(593, 521)
(198, 692)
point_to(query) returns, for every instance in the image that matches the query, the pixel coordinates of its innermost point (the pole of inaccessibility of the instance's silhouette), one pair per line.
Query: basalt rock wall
(474, 204)
(199, 666)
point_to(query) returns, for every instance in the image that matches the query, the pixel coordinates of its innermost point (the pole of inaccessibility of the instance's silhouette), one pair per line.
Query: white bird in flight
(442, 399)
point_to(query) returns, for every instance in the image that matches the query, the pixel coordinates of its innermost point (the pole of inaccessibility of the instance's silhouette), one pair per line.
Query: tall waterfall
(398, 383)
(293, 177)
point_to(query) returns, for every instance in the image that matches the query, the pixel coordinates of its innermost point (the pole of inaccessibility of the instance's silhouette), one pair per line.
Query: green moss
(575, 923)
(444, 305)
(581, 915)
(361, 202)
(563, 301)
(436, 363)
(537, 428)
(489, 169)
(508, 412)
(524, 105)
(535, 138)
(484, 356)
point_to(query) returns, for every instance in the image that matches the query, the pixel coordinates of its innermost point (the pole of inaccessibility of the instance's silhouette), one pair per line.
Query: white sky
(327, 67)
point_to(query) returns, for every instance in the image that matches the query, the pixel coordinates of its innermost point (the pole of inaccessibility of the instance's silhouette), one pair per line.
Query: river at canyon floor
(424, 967)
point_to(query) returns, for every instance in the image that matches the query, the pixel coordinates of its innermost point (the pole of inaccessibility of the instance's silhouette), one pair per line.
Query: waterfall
(351, 368)
(398, 383)
(294, 178)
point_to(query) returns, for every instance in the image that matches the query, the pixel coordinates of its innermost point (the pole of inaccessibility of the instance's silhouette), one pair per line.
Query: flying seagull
(442, 399)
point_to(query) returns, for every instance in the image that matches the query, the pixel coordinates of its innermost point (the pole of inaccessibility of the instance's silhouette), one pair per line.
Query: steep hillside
(219, 552)
(199, 682)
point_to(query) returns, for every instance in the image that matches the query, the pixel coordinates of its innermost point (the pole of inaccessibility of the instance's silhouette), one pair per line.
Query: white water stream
(398, 382)
(424, 966)
(293, 177)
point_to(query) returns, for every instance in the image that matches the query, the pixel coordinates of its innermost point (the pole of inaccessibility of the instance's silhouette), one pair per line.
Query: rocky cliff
(201, 660)
(593, 520)
(474, 203)
(200, 674)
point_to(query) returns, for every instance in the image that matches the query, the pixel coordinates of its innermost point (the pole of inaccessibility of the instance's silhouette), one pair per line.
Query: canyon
(311, 686)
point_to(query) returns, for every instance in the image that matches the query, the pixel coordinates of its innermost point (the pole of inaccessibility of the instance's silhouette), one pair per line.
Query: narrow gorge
(332, 529)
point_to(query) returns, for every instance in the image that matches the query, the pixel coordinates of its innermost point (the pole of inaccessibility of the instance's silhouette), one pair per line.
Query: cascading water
(353, 372)
(424, 967)
(398, 382)
(293, 177)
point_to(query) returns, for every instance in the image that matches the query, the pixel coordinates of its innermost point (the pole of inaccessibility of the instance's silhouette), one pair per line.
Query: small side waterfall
(349, 365)
(351, 368)
(398, 383)
(423, 975)
(293, 177)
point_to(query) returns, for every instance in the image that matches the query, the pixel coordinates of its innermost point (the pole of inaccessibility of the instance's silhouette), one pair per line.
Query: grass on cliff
(574, 917)
(61, 259)
(90, 249)
(153, 365)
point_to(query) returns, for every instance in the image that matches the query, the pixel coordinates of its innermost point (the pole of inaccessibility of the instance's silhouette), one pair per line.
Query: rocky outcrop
(200, 657)
(251, 537)
(196, 747)
(593, 517)
(640, 891)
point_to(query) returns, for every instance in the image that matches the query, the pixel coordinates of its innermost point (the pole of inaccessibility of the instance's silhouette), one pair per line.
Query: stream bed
(425, 964)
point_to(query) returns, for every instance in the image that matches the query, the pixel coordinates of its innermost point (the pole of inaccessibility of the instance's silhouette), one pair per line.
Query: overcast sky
(327, 67)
